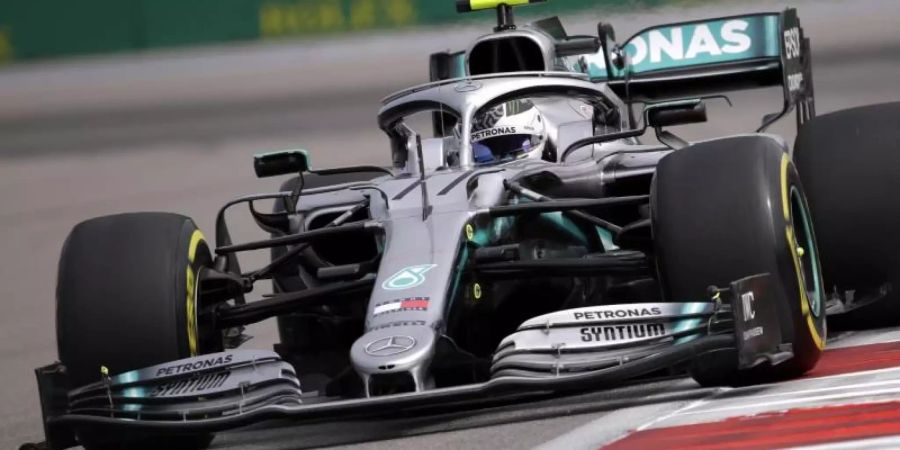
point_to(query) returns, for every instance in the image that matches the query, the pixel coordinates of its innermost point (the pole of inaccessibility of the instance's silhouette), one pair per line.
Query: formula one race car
(524, 242)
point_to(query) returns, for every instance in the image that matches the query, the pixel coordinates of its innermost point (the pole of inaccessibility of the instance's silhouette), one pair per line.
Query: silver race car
(524, 242)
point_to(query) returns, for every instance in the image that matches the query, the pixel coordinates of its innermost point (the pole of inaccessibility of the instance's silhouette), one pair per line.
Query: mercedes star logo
(468, 86)
(388, 346)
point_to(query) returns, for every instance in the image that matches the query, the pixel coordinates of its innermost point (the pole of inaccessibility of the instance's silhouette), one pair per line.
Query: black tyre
(126, 298)
(848, 162)
(726, 209)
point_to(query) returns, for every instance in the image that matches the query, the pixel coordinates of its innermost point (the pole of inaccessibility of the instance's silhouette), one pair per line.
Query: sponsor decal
(792, 43)
(613, 333)
(490, 132)
(685, 45)
(747, 304)
(194, 365)
(192, 385)
(792, 52)
(407, 277)
(401, 304)
(405, 323)
(390, 346)
(617, 313)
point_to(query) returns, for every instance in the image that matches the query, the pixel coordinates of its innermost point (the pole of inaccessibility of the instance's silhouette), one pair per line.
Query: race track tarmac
(176, 131)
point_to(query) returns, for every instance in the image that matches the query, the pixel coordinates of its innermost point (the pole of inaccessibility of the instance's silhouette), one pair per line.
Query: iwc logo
(408, 277)
(390, 346)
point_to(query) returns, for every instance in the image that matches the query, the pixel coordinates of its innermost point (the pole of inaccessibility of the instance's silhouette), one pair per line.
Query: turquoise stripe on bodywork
(460, 267)
(607, 239)
(687, 324)
(566, 225)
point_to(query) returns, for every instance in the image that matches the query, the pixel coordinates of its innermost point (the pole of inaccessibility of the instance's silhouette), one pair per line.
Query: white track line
(862, 338)
(889, 442)
(831, 388)
(768, 405)
(842, 375)
(695, 404)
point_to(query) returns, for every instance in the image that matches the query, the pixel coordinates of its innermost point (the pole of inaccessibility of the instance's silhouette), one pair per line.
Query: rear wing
(685, 59)
(710, 56)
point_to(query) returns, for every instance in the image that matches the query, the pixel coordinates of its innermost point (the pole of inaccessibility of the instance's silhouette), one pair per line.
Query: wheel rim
(806, 252)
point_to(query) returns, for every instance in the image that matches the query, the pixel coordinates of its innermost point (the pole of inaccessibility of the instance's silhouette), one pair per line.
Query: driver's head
(508, 131)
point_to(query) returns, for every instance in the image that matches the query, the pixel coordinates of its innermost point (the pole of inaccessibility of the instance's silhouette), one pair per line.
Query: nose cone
(394, 349)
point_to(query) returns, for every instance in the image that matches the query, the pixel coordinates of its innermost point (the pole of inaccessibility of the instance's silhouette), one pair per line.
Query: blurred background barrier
(31, 29)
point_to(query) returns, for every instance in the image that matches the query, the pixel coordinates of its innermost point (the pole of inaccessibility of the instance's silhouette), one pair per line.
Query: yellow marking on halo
(470, 231)
(196, 237)
(476, 291)
(792, 244)
(104, 371)
(801, 252)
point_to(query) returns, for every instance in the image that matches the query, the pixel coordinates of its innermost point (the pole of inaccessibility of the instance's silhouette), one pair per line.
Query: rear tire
(727, 209)
(848, 161)
(126, 299)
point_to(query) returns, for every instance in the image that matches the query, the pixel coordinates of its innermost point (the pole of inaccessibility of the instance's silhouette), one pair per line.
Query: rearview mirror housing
(656, 115)
(281, 162)
(675, 113)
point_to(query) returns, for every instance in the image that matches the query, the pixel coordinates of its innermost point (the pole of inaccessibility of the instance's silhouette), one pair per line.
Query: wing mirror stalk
(657, 116)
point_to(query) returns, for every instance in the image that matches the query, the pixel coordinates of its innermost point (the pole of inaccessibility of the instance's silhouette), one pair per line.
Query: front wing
(220, 391)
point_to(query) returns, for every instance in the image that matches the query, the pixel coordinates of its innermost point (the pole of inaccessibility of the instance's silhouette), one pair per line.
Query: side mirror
(675, 113)
(656, 116)
(281, 162)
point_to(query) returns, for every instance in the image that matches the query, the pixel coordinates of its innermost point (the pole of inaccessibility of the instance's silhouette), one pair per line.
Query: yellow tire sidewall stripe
(792, 244)
(191, 299)
(196, 238)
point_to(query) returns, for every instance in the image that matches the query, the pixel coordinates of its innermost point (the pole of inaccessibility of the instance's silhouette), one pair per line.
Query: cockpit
(495, 119)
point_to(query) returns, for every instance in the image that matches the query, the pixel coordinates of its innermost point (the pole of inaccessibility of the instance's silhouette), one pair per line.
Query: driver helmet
(509, 131)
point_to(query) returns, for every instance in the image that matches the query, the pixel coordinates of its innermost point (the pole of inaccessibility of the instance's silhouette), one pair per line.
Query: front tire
(730, 208)
(127, 298)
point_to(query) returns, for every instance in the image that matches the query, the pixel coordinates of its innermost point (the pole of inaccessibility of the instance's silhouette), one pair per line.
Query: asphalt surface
(175, 131)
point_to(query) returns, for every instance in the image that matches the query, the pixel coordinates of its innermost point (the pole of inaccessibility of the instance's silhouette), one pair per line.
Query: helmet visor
(503, 148)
